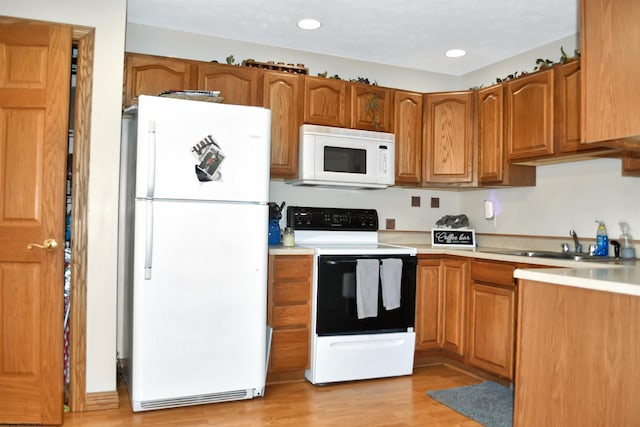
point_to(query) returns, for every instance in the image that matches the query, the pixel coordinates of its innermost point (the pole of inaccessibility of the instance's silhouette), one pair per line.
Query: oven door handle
(345, 261)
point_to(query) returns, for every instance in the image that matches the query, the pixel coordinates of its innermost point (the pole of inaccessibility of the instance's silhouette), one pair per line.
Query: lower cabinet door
(290, 350)
(491, 328)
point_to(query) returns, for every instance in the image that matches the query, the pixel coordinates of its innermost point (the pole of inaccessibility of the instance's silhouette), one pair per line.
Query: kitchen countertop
(614, 276)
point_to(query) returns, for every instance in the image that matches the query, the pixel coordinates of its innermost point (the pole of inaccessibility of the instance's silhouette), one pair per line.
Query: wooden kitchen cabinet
(440, 304)
(529, 116)
(491, 317)
(493, 167)
(407, 127)
(610, 57)
(449, 150)
(237, 85)
(326, 102)
(289, 314)
(371, 107)
(567, 107)
(578, 358)
(151, 75)
(282, 94)
(631, 164)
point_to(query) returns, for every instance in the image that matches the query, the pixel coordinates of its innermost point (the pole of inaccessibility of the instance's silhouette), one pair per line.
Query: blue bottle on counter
(274, 232)
(602, 240)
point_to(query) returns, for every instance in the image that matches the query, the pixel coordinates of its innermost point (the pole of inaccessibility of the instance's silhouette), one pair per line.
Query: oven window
(336, 309)
(348, 160)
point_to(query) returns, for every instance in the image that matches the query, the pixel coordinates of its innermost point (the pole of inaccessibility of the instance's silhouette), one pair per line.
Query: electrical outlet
(435, 202)
(391, 224)
(415, 201)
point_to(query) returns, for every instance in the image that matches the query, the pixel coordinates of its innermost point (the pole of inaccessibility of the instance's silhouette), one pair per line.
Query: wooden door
(566, 105)
(282, 94)
(491, 324)
(490, 135)
(454, 284)
(448, 154)
(151, 75)
(326, 102)
(609, 40)
(529, 116)
(428, 323)
(407, 123)
(237, 85)
(34, 105)
(371, 107)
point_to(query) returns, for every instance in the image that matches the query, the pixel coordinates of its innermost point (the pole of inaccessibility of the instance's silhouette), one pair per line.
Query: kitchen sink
(570, 256)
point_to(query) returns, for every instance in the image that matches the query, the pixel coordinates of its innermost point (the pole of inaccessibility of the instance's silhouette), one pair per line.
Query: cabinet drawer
(290, 315)
(289, 350)
(492, 272)
(291, 292)
(291, 267)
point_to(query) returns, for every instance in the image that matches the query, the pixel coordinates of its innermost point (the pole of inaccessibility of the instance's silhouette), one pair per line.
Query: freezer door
(194, 150)
(199, 312)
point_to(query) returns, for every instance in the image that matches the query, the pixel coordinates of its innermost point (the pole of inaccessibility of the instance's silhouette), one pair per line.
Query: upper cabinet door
(151, 75)
(237, 85)
(326, 102)
(407, 123)
(529, 116)
(566, 107)
(371, 107)
(449, 146)
(282, 94)
(610, 39)
(490, 134)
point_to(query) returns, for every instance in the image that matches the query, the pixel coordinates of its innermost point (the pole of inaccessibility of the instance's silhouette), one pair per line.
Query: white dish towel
(391, 275)
(367, 278)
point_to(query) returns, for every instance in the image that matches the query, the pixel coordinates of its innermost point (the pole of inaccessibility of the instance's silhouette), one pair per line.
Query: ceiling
(405, 33)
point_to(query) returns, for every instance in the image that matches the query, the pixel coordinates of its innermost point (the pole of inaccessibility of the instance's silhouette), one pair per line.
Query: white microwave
(337, 157)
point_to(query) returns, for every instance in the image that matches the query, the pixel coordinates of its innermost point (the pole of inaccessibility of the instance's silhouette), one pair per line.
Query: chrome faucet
(576, 242)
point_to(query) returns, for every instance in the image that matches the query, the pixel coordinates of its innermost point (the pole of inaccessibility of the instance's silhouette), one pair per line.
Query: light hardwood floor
(400, 401)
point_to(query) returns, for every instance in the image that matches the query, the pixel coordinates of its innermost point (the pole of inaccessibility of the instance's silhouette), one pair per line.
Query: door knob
(47, 244)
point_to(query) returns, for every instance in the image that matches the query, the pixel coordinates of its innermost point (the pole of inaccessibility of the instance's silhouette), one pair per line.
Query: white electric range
(363, 297)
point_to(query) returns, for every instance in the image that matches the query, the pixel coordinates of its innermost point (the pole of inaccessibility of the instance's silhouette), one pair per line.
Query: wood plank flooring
(400, 401)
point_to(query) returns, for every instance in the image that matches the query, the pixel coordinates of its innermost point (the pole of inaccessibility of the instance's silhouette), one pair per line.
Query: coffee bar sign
(459, 238)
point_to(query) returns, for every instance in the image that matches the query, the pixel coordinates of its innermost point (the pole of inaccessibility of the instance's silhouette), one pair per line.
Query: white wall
(109, 20)
(524, 62)
(391, 203)
(566, 196)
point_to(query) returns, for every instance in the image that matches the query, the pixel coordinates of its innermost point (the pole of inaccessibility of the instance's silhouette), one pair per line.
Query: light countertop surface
(615, 276)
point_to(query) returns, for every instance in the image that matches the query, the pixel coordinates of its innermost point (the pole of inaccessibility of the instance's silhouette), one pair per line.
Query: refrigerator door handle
(148, 244)
(151, 159)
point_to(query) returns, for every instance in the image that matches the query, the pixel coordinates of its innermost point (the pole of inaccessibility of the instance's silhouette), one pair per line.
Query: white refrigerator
(193, 252)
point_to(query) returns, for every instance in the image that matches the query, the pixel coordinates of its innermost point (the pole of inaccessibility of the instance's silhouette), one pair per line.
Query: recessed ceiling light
(309, 24)
(455, 53)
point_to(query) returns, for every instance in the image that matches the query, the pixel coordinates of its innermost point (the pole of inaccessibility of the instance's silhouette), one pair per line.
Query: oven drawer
(290, 315)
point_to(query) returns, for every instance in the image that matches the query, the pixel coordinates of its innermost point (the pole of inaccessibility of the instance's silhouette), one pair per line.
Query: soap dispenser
(626, 242)
(602, 240)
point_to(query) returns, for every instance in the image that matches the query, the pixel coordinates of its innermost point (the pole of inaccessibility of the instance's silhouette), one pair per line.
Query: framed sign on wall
(459, 238)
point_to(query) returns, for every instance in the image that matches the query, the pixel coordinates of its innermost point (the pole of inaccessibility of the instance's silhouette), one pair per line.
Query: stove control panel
(310, 218)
